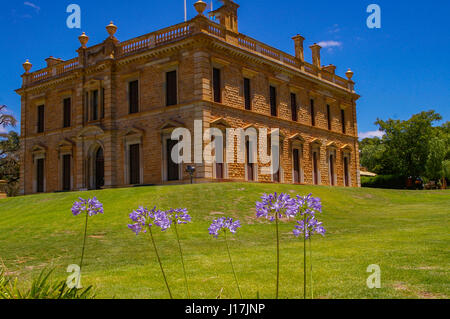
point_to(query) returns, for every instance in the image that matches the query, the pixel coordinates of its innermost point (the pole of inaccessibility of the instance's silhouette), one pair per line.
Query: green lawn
(406, 233)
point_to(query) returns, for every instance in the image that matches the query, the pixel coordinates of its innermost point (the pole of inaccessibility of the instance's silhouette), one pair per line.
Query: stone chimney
(315, 48)
(330, 68)
(227, 15)
(51, 61)
(298, 41)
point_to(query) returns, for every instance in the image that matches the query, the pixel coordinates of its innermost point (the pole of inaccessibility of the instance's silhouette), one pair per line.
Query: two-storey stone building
(104, 119)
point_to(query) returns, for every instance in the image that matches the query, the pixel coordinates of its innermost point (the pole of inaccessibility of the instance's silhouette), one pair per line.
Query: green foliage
(446, 169)
(372, 155)
(41, 288)
(407, 142)
(9, 161)
(384, 181)
(409, 148)
(435, 159)
(5, 118)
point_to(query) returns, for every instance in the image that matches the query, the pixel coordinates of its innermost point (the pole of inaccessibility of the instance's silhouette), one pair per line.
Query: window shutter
(247, 96)
(40, 175)
(67, 112)
(329, 117)
(273, 101)
(41, 118)
(134, 164)
(313, 114)
(294, 109)
(134, 96)
(171, 88)
(66, 172)
(217, 86)
(94, 105)
(343, 121)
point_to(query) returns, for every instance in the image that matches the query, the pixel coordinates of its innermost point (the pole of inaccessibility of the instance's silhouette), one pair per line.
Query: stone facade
(94, 149)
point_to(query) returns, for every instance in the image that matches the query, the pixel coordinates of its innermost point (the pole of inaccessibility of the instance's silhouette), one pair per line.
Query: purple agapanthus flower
(313, 226)
(223, 223)
(179, 216)
(92, 206)
(144, 219)
(308, 205)
(272, 204)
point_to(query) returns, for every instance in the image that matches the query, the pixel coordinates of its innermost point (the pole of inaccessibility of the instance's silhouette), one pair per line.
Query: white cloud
(334, 29)
(32, 5)
(3, 130)
(371, 134)
(330, 44)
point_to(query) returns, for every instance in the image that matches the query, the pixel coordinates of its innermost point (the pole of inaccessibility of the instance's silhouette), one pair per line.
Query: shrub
(384, 181)
(41, 288)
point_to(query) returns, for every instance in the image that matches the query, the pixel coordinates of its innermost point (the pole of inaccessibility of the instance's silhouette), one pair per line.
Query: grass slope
(405, 232)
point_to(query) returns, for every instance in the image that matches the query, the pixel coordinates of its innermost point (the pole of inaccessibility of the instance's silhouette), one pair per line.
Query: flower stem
(160, 264)
(304, 257)
(182, 260)
(84, 241)
(311, 271)
(278, 255)
(232, 267)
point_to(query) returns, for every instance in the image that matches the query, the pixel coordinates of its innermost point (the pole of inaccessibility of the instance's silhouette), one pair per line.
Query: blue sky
(401, 69)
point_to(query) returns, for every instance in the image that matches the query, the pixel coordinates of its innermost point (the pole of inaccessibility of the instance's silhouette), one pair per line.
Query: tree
(436, 157)
(9, 152)
(407, 143)
(372, 154)
(6, 119)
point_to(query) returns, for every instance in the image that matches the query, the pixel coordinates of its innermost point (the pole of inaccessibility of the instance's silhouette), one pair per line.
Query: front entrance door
(99, 169)
(173, 173)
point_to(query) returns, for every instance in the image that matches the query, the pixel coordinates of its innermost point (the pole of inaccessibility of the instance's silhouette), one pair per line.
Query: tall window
(329, 117)
(135, 169)
(332, 175)
(133, 96)
(219, 156)
(343, 121)
(294, 108)
(250, 165)
(296, 166)
(66, 172)
(247, 96)
(40, 175)
(66, 112)
(316, 168)
(313, 113)
(217, 85)
(171, 88)
(94, 105)
(346, 172)
(86, 107)
(40, 119)
(103, 104)
(273, 101)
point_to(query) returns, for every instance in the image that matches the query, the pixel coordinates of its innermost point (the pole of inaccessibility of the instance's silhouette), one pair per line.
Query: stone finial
(83, 38)
(349, 74)
(200, 6)
(315, 48)
(112, 29)
(27, 66)
(298, 41)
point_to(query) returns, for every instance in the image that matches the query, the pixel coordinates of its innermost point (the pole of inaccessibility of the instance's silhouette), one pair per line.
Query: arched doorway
(99, 165)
